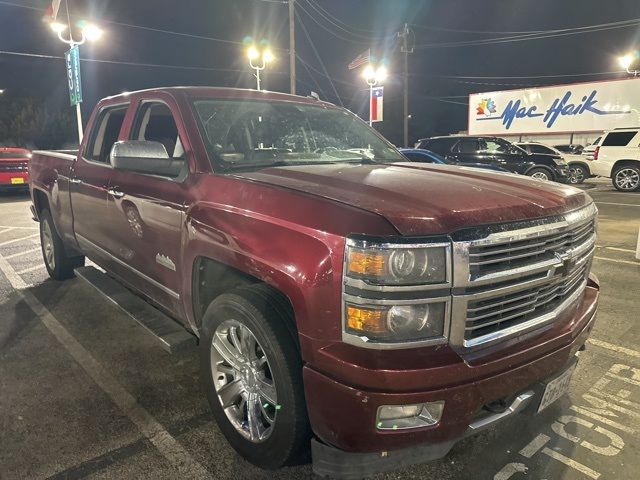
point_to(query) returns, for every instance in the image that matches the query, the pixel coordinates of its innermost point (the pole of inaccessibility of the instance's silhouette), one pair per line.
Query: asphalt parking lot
(86, 393)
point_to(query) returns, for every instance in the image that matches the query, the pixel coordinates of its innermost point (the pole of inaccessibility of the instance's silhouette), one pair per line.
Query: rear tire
(626, 178)
(540, 173)
(60, 265)
(249, 357)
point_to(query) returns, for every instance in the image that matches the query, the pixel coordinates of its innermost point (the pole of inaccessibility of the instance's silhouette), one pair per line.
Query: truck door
(89, 184)
(147, 212)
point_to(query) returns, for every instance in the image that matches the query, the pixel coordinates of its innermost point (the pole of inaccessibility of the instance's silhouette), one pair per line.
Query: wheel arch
(623, 162)
(543, 167)
(584, 165)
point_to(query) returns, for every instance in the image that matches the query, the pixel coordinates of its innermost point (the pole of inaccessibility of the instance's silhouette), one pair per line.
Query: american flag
(361, 59)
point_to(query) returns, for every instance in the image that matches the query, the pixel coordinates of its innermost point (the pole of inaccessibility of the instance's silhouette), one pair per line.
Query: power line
(306, 33)
(476, 32)
(137, 64)
(327, 29)
(535, 36)
(149, 29)
(346, 28)
(335, 19)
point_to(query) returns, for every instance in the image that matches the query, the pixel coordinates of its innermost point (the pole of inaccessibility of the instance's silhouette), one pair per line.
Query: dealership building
(564, 114)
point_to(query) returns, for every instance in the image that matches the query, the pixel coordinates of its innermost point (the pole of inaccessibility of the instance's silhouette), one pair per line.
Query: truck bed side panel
(49, 173)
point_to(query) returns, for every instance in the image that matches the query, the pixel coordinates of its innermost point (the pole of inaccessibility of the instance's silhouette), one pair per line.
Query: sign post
(72, 58)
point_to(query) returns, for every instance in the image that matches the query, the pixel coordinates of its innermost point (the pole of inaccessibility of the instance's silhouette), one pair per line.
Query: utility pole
(292, 45)
(406, 49)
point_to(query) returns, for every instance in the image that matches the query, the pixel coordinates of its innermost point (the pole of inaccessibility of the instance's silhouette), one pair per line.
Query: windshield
(248, 135)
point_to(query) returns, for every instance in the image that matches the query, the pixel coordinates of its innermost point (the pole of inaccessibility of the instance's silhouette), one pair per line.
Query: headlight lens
(396, 323)
(398, 265)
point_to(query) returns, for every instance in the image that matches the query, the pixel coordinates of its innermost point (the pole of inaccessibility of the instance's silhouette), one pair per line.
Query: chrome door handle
(75, 180)
(115, 193)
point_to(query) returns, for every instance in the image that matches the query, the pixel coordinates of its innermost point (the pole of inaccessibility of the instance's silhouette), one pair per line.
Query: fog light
(398, 417)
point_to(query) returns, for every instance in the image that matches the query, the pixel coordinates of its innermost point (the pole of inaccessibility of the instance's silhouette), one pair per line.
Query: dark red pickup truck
(344, 298)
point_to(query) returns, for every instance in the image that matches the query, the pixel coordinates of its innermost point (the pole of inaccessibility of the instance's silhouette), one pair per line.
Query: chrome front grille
(512, 254)
(510, 279)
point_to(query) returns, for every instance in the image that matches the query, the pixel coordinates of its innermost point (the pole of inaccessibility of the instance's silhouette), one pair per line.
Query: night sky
(442, 75)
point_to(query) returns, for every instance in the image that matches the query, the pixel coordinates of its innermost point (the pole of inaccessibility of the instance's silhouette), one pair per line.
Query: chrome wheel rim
(243, 381)
(627, 179)
(540, 176)
(47, 245)
(576, 175)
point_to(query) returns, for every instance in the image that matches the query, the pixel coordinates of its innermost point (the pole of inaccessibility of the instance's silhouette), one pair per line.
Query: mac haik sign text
(579, 107)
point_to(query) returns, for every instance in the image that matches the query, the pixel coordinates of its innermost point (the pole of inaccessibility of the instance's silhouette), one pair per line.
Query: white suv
(617, 156)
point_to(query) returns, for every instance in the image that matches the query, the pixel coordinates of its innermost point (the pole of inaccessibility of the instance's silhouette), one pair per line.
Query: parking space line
(621, 204)
(166, 444)
(617, 249)
(615, 348)
(628, 262)
(18, 228)
(31, 269)
(8, 229)
(26, 252)
(9, 242)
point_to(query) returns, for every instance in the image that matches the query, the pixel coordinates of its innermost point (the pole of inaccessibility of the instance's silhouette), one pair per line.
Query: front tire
(252, 375)
(540, 173)
(60, 265)
(626, 178)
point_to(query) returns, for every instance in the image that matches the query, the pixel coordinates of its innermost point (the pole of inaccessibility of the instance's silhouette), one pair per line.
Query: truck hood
(423, 199)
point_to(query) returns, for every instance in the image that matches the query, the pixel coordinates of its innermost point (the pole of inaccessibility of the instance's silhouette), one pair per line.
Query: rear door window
(438, 145)
(618, 139)
(106, 131)
(467, 145)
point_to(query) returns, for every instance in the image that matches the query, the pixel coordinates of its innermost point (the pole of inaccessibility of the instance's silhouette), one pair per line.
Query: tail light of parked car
(595, 153)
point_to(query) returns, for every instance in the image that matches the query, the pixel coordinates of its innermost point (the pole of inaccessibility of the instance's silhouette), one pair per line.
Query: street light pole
(266, 57)
(373, 77)
(406, 49)
(88, 32)
(292, 45)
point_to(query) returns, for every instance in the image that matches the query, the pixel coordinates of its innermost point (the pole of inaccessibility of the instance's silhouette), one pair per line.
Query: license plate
(16, 181)
(556, 388)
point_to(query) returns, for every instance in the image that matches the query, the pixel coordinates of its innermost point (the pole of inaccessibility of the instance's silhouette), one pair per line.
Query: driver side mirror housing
(146, 157)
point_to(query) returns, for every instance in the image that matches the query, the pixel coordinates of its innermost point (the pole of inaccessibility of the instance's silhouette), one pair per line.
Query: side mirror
(143, 156)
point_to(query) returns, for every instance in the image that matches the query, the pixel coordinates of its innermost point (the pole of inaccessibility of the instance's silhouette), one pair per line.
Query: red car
(373, 309)
(13, 167)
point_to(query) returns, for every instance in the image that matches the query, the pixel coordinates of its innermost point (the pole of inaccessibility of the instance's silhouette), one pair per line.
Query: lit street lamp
(626, 61)
(253, 54)
(87, 32)
(374, 76)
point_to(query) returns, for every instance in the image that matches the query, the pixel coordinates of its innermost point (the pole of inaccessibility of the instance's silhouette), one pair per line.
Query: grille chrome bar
(512, 279)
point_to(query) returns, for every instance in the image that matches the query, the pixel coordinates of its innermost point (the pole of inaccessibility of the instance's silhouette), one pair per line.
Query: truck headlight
(398, 265)
(396, 291)
(396, 323)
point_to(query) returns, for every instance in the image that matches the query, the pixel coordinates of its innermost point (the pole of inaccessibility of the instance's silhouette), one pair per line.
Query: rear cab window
(467, 145)
(105, 133)
(618, 139)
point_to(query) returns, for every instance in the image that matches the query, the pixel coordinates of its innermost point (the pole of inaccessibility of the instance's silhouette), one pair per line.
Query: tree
(33, 123)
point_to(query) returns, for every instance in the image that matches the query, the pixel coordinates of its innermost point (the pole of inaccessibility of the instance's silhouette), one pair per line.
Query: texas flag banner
(377, 98)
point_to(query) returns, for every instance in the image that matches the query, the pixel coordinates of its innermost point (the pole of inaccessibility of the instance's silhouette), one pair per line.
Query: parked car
(373, 309)
(427, 156)
(572, 148)
(14, 172)
(499, 152)
(578, 165)
(617, 156)
(589, 149)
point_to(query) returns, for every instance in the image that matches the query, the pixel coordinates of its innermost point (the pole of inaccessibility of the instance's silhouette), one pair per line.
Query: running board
(170, 334)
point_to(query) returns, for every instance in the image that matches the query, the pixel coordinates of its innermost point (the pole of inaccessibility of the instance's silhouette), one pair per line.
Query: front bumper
(343, 417)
